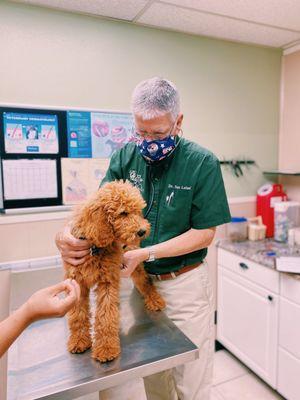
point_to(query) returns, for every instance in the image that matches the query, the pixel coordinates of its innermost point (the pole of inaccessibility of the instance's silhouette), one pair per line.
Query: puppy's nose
(141, 232)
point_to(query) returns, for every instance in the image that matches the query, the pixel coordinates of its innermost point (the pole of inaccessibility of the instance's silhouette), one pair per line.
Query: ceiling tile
(281, 13)
(190, 21)
(118, 9)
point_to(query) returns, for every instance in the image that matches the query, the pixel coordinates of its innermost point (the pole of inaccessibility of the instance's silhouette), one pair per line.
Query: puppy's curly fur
(110, 220)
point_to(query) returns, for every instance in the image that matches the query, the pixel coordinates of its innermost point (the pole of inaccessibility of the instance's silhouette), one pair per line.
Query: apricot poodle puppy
(111, 220)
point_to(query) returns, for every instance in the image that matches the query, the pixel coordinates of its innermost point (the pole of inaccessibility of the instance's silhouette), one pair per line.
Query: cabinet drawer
(290, 287)
(256, 273)
(288, 375)
(289, 326)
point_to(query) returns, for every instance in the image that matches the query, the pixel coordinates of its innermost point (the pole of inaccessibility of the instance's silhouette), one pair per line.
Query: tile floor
(231, 381)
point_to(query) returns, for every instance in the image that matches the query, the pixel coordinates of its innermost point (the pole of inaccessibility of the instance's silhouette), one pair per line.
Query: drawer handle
(270, 298)
(243, 265)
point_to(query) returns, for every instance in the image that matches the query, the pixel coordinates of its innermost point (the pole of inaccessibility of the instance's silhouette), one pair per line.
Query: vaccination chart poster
(97, 134)
(30, 133)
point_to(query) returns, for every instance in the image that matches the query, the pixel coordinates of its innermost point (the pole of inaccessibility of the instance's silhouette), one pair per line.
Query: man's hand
(72, 250)
(46, 303)
(131, 259)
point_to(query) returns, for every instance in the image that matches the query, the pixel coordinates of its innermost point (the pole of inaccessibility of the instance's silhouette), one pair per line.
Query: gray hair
(155, 97)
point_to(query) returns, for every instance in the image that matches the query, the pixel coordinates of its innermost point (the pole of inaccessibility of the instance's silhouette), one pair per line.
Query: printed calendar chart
(29, 179)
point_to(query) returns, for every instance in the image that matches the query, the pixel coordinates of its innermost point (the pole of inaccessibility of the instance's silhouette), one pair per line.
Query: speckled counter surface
(263, 251)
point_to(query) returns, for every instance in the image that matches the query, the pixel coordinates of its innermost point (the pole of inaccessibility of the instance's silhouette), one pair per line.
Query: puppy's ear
(96, 227)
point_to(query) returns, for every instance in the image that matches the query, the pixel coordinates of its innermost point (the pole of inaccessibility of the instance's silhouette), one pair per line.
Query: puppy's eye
(124, 213)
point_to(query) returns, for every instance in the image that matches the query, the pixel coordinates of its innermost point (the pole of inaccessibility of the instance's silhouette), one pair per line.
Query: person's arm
(187, 242)
(45, 303)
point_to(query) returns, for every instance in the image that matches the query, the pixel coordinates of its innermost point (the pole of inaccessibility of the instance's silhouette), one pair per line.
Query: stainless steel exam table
(40, 367)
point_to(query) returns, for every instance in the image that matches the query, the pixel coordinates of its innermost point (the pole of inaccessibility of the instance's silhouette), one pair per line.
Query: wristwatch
(151, 254)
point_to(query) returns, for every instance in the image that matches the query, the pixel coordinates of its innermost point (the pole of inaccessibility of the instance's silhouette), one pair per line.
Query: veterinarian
(183, 187)
(45, 303)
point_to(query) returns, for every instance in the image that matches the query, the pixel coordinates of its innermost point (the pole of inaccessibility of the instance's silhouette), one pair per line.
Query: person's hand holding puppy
(131, 259)
(72, 250)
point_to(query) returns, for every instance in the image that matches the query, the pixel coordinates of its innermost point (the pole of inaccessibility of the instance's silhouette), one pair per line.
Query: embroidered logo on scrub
(169, 198)
(136, 179)
(175, 189)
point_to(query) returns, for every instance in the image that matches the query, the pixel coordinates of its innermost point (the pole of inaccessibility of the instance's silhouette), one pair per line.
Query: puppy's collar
(94, 250)
(97, 251)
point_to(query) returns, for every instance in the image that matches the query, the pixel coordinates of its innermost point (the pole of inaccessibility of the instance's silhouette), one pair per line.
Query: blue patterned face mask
(156, 150)
(153, 149)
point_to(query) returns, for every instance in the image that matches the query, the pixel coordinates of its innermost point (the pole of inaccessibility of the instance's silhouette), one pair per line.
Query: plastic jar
(287, 215)
(237, 229)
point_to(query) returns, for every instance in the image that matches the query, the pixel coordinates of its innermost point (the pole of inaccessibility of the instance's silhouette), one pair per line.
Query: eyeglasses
(152, 136)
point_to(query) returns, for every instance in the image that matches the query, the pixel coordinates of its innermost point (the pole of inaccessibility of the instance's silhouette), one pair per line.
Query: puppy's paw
(155, 302)
(106, 352)
(79, 344)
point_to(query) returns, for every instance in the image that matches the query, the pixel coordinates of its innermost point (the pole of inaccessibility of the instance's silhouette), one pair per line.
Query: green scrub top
(183, 191)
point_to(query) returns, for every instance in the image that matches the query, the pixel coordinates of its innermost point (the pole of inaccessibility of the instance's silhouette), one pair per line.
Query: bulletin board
(53, 157)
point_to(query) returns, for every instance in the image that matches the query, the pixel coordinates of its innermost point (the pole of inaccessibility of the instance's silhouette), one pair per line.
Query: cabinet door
(289, 327)
(288, 375)
(247, 323)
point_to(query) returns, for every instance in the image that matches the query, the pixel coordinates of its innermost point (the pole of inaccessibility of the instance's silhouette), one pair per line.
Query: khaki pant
(190, 306)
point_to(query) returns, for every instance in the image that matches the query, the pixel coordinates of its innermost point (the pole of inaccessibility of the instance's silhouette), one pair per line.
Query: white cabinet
(248, 320)
(289, 333)
(259, 320)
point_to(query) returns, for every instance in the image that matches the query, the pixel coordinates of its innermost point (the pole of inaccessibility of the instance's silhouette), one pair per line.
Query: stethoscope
(151, 192)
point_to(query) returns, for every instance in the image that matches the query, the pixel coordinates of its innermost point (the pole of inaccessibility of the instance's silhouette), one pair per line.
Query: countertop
(263, 252)
(40, 366)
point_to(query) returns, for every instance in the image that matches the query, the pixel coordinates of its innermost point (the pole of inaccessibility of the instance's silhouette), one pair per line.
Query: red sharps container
(267, 196)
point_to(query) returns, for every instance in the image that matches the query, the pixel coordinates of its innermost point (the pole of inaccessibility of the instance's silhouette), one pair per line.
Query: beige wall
(229, 91)
(5, 283)
(291, 185)
(26, 240)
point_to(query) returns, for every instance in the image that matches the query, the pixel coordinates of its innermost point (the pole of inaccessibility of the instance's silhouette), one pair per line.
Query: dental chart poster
(81, 178)
(98, 134)
(30, 133)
